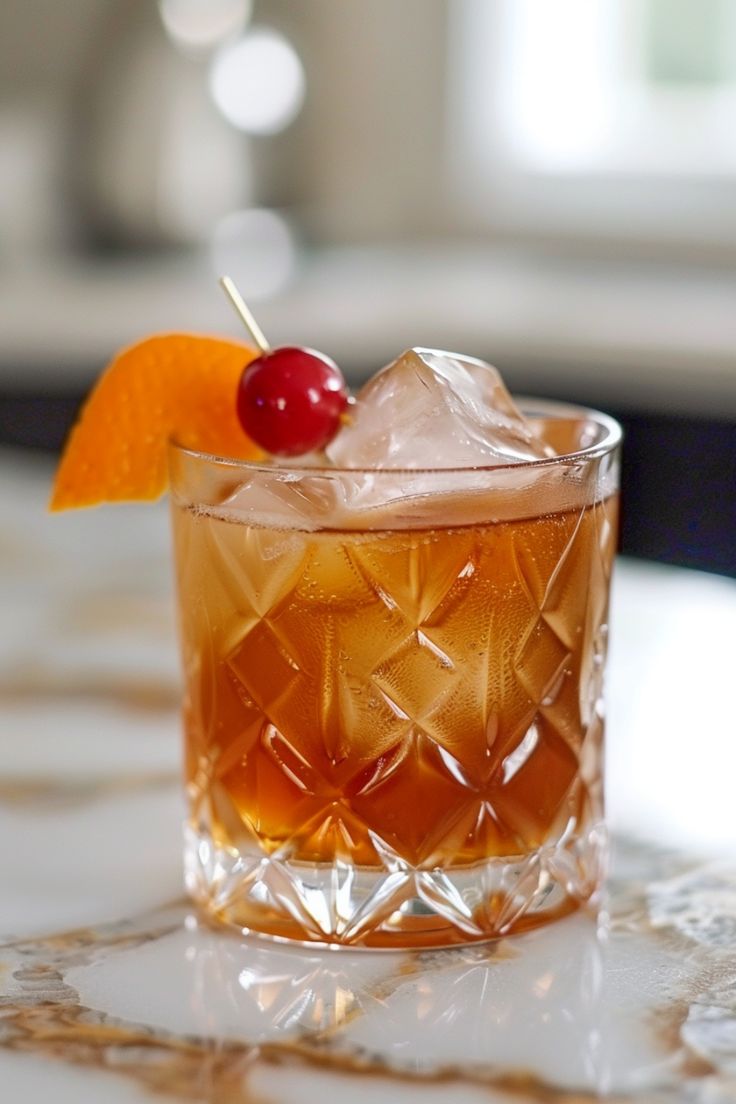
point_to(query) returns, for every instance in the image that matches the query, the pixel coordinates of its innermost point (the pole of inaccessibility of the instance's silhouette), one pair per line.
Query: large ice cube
(427, 410)
(431, 409)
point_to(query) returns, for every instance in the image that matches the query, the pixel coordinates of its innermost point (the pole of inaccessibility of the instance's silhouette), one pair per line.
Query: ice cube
(431, 409)
(278, 499)
(427, 410)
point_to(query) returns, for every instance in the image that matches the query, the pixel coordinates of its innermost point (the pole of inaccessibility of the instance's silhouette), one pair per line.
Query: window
(605, 116)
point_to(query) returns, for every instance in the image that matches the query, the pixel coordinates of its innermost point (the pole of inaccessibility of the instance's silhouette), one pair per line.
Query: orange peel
(171, 385)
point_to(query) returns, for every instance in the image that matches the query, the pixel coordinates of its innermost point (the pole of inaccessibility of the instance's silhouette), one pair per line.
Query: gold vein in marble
(47, 1019)
(40, 1012)
(140, 694)
(71, 793)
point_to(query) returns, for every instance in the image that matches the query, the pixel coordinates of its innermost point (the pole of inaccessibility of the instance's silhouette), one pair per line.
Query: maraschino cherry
(290, 400)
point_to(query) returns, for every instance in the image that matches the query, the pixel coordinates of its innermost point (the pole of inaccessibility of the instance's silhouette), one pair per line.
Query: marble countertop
(113, 989)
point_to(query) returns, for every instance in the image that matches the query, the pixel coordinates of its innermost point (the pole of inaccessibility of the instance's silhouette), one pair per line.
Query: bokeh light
(256, 248)
(202, 24)
(258, 82)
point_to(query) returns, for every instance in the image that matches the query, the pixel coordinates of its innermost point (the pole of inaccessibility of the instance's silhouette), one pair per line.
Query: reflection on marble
(112, 989)
(640, 1004)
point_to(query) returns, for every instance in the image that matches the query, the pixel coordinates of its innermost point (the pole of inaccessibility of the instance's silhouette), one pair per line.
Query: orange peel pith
(172, 385)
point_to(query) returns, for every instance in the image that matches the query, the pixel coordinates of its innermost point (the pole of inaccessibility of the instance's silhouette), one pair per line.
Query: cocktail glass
(393, 690)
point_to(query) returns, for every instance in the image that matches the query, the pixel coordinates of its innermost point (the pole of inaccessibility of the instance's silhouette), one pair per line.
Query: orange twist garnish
(174, 385)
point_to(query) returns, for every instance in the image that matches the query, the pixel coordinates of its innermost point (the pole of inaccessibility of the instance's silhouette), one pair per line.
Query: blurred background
(551, 186)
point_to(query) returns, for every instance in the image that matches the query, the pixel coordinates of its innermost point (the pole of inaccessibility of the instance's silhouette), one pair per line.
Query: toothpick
(243, 312)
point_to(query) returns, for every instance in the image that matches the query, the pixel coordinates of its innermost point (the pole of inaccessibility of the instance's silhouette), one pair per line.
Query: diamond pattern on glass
(417, 675)
(397, 732)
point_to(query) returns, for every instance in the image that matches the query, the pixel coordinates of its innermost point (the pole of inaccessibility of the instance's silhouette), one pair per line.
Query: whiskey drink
(393, 717)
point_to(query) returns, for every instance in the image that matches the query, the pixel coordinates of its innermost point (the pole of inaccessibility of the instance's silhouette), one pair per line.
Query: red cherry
(290, 400)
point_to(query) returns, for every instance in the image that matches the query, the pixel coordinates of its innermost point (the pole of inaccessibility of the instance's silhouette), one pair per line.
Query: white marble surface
(112, 989)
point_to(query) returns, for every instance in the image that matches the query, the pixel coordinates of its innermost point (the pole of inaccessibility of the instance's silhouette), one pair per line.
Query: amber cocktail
(393, 713)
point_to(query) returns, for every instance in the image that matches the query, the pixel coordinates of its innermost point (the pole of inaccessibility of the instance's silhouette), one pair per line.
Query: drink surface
(427, 695)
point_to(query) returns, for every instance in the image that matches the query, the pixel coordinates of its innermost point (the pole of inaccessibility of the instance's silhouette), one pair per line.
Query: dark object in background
(36, 420)
(679, 491)
(678, 481)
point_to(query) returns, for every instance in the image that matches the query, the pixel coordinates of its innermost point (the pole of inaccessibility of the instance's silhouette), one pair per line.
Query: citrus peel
(180, 386)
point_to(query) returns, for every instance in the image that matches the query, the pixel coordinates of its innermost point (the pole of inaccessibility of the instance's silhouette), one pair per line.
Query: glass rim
(532, 407)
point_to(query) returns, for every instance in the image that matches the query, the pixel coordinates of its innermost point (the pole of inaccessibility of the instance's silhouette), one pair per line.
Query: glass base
(398, 906)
